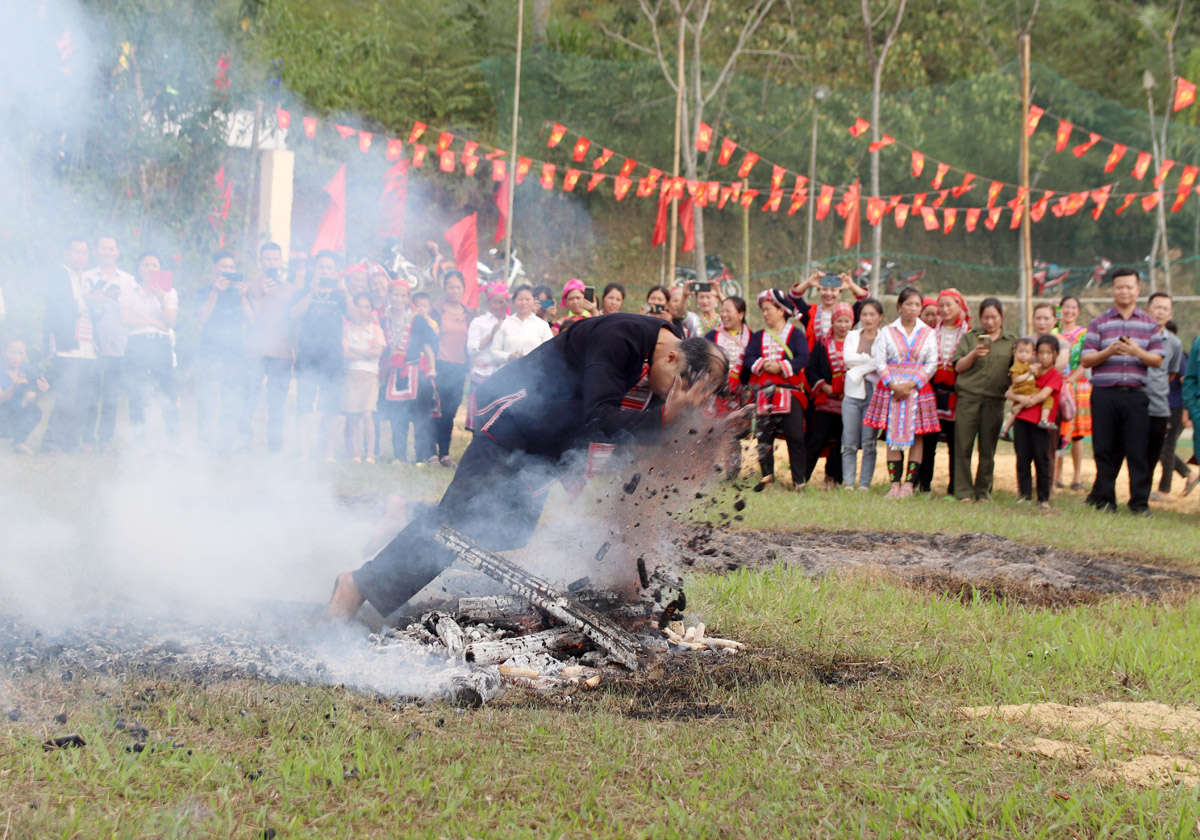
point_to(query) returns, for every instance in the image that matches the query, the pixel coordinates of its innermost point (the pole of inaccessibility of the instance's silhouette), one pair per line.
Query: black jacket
(567, 393)
(62, 312)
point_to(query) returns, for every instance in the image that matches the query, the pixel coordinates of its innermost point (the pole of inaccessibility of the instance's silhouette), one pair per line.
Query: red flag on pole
(687, 223)
(395, 197)
(502, 206)
(1083, 148)
(462, 239)
(1035, 115)
(728, 147)
(1114, 157)
(660, 220)
(1185, 93)
(1063, 136)
(852, 235)
(331, 233)
(824, 201)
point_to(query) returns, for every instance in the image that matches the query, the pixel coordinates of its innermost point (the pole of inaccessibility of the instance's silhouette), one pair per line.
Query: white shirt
(481, 363)
(517, 336)
(83, 325)
(110, 332)
(143, 304)
(860, 367)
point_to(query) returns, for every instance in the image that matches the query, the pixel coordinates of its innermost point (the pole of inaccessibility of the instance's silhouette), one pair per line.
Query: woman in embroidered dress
(860, 387)
(776, 356)
(732, 336)
(1075, 380)
(709, 304)
(953, 321)
(826, 374)
(411, 352)
(903, 403)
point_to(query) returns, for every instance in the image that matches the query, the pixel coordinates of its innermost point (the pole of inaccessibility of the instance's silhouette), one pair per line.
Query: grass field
(840, 721)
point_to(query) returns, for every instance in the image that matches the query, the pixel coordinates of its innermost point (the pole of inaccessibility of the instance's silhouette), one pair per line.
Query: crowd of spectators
(832, 377)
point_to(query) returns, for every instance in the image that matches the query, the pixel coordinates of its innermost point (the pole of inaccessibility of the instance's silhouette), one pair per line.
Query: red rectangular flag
(419, 154)
(711, 191)
(364, 141)
(1129, 197)
(1162, 173)
(470, 164)
(1141, 165)
(973, 218)
(876, 207)
(860, 125)
(949, 215)
(446, 160)
(942, 169)
(747, 198)
(621, 186)
(882, 142)
(570, 179)
(547, 179)
(801, 180)
(595, 180)
(653, 176)
(605, 155)
(444, 141)
(581, 149)
(918, 201)
(283, 119)
(645, 187)
(310, 127)
(704, 135)
(1083, 148)
(777, 173)
(728, 147)
(747, 164)
(1186, 181)
(966, 185)
(993, 191)
(798, 199)
(1114, 157)
(824, 201)
(726, 192)
(900, 215)
(929, 216)
(1038, 209)
(469, 149)
(1075, 202)
(417, 130)
(1016, 217)
(993, 216)
(918, 163)
(1031, 122)
(1185, 93)
(627, 168)
(941, 198)
(1149, 202)
(1064, 135)
(556, 135)
(499, 169)
(395, 149)
(771, 205)
(1100, 196)
(524, 164)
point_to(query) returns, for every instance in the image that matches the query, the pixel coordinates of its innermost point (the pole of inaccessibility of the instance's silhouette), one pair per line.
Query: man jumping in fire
(555, 414)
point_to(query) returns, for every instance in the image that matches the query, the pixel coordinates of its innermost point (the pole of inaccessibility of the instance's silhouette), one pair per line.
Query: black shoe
(1101, 507)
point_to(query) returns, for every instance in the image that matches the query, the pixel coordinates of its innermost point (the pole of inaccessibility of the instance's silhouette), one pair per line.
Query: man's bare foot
(346, 599)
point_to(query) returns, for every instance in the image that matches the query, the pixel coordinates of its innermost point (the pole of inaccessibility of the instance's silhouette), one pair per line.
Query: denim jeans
(856, 436)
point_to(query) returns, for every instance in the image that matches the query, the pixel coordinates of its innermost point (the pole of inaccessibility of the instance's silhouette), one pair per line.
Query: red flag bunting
(771, 205)
(417, 130)
(726, 192)
(1060, 206)
(621, 186)
(728, 147)
(966, 185)
(627, 168)
(798, 199)
(570, 179)
(493, 154)
(1141, 165)
(918, 163)
(893, 201)
(1016, 216)
(419, 154)
(1114, 157)
(394, 149)
(942, 169)
(605, 155)
(973, 218)
(1162, 173)
(949, 215)
(882, 142)
(1185, 93)
(941, 198)
(1129, 197)
(876, 208)
(581, 149)
(799, 185)
(310, 127)
(344, 130)
(470, 164)
(687, 222)
(547, 179)
(918, 201)
(653, 175)
(364, 141)
(595, 180)
(1100, 196)
(900, 214)
(736, 186)
(777, 173)
(331, 233)
(394, 199)
(446, 160)
(1038, 209)
(524, 164)
(283, 119)
(1149, 202)
(1063, 136)
(1075, 202)
(993, 191)
(824, 200)
(929, 216)
(993, 216)
(1083, 148)
(556, 135)
(747, 164)
(645, 187)
(704, 136)
(748, 197)
(1186, 182)
(500, 170)
(1031, 122)
(469, 149)
(860, 125)
(445, 138)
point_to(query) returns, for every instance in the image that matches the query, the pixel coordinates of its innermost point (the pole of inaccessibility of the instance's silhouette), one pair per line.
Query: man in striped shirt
(1119, 347)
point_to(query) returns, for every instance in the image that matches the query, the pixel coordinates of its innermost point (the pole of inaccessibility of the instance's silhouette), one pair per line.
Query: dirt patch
(1116, 724)
(964, 565)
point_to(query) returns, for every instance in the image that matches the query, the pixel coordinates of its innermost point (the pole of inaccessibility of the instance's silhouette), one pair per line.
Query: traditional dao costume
(827, 366)
(781, 399)
(947, 337)
(904, 357)
(555, 414)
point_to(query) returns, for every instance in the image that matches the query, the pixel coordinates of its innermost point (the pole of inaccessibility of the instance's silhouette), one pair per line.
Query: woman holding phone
(149, 313)
(579, 300)
(981, 363)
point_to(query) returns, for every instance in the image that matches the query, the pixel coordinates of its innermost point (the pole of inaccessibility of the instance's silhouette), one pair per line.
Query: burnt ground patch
(961, 565)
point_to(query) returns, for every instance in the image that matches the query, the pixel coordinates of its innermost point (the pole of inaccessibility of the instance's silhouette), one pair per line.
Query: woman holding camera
(656, 304)
(981, 364)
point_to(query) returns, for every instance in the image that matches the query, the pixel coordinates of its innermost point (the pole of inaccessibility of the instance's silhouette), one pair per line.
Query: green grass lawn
(839, 721)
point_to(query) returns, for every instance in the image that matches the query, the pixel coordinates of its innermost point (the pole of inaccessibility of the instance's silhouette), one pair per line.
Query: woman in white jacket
(861, 377)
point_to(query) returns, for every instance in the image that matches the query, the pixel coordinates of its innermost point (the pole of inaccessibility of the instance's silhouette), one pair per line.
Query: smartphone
(545, 304)
(830, 281)
(589, 294)
(657, 308)
(162, 279)
(701, 286)
(234, 277)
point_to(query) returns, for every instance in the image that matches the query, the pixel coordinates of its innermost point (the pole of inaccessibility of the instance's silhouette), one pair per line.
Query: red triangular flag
(966, 185)
(599, 162)
(929, 216)
(502, 206)
(949, 215)
(1162, 173)
(1114, 157)
(417, 130)
(595, 180)
(704, 136)
(1063, 136)
(1082, 148)
(942, 169)
(310, 127)
(570, 179)
(771, 205)
(885, 140)
(493, 154)
(973, 218)
(1031, 122)
(728, 147)
(918, 163)
(941, 198)
(748, 197)
(1185, 93)
(860, 125)
(726, 192)
(900, 214)
(747, 164)
(824, 200)
(344, 130)
(798, 199)
(627, 168)
(581, 149)
(331, 233)
(464, 244)
(283, 119)
(394, 149)
(1129, 197)
(364, 141)
(1038, 209)
(556, 135)
(392, 202)
(1141, 165)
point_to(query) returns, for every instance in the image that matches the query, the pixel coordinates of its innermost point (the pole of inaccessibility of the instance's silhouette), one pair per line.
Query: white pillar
(275, 198)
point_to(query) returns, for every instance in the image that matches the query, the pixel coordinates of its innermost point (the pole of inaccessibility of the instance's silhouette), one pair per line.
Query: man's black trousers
(1120, 428)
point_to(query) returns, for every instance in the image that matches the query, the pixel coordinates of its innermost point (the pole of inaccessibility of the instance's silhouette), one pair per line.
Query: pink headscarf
(497, 289)
(572, 284)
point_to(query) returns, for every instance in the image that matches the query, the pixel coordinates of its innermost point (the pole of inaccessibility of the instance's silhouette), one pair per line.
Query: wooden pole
(251, 213)
(812, 191)
(512, 158)
(746, 242)
(1026, 238)
(671, 238)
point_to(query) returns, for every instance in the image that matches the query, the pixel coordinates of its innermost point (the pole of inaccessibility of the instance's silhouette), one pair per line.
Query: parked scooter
(1048, 278)
(717, 274)
(891, 278)
(1099, 274)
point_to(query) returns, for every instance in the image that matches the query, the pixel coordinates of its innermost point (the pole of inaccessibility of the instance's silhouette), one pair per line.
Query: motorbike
(1099, 274)
(515, 271)
(891, 278)
(1048, 278)
(716, 273)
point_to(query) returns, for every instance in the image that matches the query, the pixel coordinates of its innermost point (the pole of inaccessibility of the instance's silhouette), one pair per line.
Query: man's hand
(685, 398)
(42, 384)
(221, 284)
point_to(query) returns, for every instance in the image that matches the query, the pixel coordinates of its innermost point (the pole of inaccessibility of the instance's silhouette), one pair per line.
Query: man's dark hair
(524, 287)
(453, 273)
(1153, 297)
(699, 354)
(145, 254)
(991, 303)
(221, 255)
(420, 296)
(610, 287)
(1124, 271)
(269, 246)
(1049, 341)
(738, 303)
(329, 254)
